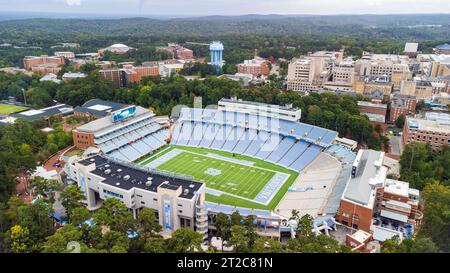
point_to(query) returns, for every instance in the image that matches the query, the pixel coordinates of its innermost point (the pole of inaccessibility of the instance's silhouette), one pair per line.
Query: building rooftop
(99, 107)
(396, 187)
(370, 172)
(128, 176)
(443, 46)
(59, 109)
(432, 122)
(239, 101)
(371, 104)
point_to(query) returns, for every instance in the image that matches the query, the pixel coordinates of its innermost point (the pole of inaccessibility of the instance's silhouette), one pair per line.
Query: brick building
(371, 200)
(401, 105)
(257, 66)
(375, 110)
(43, 64)
(433, 128)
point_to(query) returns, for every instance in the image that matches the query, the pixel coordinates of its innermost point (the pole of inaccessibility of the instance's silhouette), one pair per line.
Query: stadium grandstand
(133, 135)
(290, 144)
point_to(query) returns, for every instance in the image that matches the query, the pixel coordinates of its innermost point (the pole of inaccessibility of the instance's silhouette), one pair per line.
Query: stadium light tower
(216, 49)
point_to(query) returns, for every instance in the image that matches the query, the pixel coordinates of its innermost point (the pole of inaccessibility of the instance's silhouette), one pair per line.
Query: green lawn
(7, 109)
(246, 181)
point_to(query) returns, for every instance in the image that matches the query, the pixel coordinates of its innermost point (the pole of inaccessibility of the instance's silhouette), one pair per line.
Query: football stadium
(255, 158)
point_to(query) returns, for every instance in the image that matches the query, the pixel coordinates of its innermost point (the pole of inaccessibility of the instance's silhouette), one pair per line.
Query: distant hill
(422, 26)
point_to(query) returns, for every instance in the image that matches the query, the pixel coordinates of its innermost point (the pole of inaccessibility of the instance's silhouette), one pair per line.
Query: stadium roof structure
(127, 176)
(105, 124)
(99, 107)
(59, 109)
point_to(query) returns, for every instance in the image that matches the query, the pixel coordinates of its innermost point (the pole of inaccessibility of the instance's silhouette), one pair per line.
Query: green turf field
(234, 178)
(7, 109)
(245, 181)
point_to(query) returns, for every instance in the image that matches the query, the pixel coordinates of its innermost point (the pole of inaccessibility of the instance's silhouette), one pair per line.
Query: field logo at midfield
(213, 172)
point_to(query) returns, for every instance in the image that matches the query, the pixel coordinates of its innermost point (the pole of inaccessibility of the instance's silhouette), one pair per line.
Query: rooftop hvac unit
(119, 170)
(126, 177)
(148, 183)
(107, 166)
(107, 171)
(186, 191)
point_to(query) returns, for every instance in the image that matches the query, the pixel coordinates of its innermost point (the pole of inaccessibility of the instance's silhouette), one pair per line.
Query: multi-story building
(375, 111)
(44, 64)
(411, 49)
(177, 201)
(257, 67)
(178, 51)
(301, 74)
(433, 128)
(122, 77)
(373, 203)
(119, 77)
(440, 66)
(342, 75)
(367, 85)
(421, 89)
(382, 65)
(401, 105)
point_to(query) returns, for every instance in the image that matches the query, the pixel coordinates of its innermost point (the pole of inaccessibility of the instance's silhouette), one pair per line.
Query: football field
(230, 179)
(226, 176)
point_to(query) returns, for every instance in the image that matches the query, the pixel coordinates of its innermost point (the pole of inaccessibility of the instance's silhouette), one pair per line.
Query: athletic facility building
(176, 200)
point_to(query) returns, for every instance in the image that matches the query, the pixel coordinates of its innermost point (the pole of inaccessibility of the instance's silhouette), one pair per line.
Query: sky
(227, 7)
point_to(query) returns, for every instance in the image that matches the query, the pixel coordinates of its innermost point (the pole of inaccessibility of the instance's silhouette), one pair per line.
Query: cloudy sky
(227, 7)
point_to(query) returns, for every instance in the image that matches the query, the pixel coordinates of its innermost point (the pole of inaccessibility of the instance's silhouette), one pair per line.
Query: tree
(250, 230)
(19, 239)
(114, 242)
(238, 239)
(267, 245)
(148, 225)
(236, 218)
(154, 245)
(409, 245)
(35, 217)
(305, 226)
(44, 187)
(223, 227)
(400, 121)
(436, 221)
(115, 215)
(58, 242)
(79, 215)
(71, 198)
(185, 240)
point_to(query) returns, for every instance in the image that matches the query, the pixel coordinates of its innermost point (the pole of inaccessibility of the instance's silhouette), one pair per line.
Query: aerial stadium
(255, 158)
